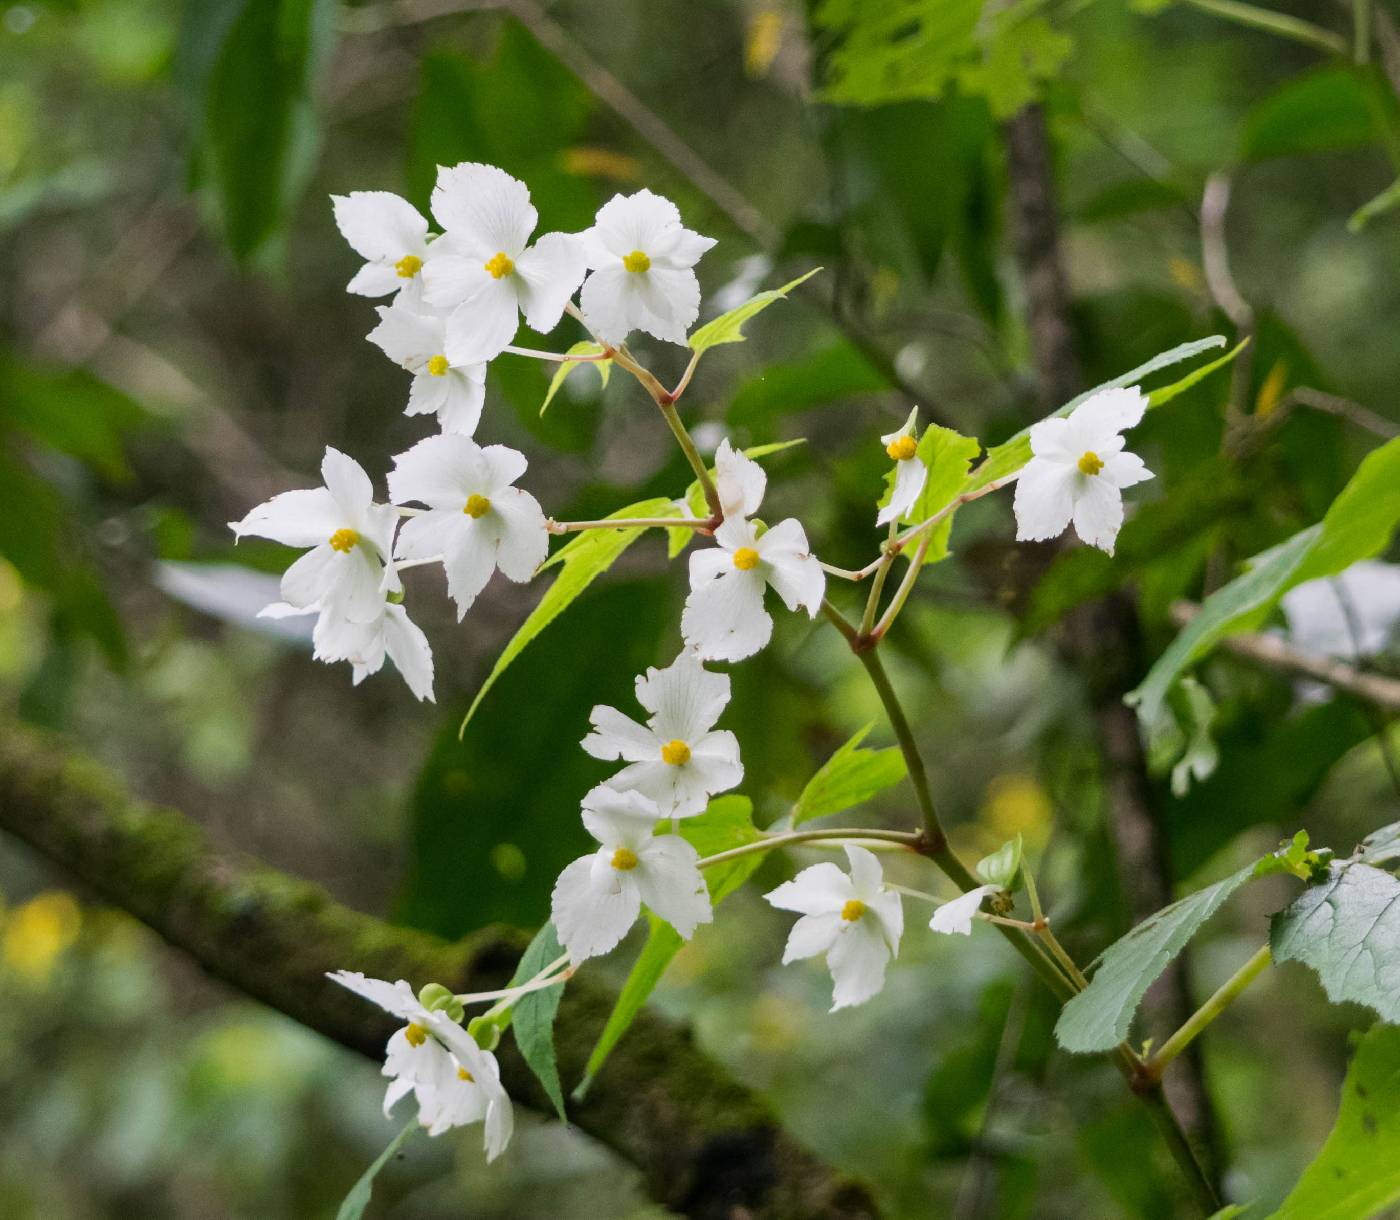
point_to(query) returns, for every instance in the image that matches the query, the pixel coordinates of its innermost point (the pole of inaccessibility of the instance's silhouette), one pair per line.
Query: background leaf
(849, 777)
(353, 1208)
(728, 327)
(532, 1016)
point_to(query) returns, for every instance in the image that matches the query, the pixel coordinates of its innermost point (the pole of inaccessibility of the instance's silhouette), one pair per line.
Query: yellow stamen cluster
(1090, 463)
(675, 752)
(415, 1034)
(902, 448)
(476, 506)
(746, 559)
(438, 365)
(463, 1074)
(408, 266)
(500, 264)
(624, 859)
(636, 262)
(344, 541)
(853, 910)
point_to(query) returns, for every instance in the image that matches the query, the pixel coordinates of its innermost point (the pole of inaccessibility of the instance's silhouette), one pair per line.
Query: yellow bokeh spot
(853, 910)
(476, 506)
(675, 752)
(1015, 804)
(438, 365)
(637, 261)
(39, 932)
(1090, 463)
(463, 1074)
(902, 448)
(344, 541)
(415, 1034)
(500, 264)
(746, 559)
(408, 266)
(624, 859)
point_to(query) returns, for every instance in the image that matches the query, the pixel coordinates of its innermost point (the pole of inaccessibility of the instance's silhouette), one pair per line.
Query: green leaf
(849, 777)
(948, 456)
(585, 348)
(1347, 928)
(532, 1016)
(1381, 846)
(1003, 866)
(1358, 525)
(831, 373)
(1316, 112)
(583, 559)
(1385, 202)
(1357, 1173)
(1164, 394)
(1098, 1018)
(354, 1204)
(260, 134)
(726, 823)
(728, 327)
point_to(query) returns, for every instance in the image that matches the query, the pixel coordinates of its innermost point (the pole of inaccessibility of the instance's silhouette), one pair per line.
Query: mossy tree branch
(707, 1147)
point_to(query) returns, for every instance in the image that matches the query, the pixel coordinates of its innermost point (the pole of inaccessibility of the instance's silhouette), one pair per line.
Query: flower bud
(436, 998)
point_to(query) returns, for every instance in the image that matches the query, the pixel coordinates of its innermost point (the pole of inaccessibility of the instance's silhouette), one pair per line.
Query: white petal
(619, 819)
(1044, 500)
(379, 226)
(715, 760)
(667, 303)
(1111, 411)
(592, 918)
(397, 998)
(483, 209)
(482, 326)
(866, 876)
(1051, 437)
(634, 222)
(503, 466)
(909, 479)
(469, 562)
(427, 394)
(449, 278)
(407, 338)
(409, 650)
(684, 699)
(606, 303)
(441, 471)
(460, 409)
(617, 736)
(550, 273)
(429, 536)
(524, 539)
(857, 962)
(347, 481)
(955, 918)
(1124, 470)
(669, 882)
(377, 280)
(1098, 513)
(680, 249)
(294, 518)
(739, 480)
(724, 620)
(312, 577)
(790, 568)
(811, 935)
(887, 910)
(817, 890)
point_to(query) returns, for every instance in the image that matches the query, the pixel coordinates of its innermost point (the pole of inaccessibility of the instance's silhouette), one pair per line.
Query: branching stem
(1207, 1012)
(907, 838)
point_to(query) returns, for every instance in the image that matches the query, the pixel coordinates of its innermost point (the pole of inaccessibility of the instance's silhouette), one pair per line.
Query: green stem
(1362, 17)
(623, 523)
(907, 838)
(1278, 24)
(906, 587)
(1208, 1011)
(872, 603)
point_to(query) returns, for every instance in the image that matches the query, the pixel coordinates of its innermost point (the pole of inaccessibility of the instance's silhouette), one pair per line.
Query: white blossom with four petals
(348, 567)
(418, 342)
(910, 473)
(476, 520)
(1079, 469)
(855, 919)
(641, 258)
(677, 759)
(598, 897)
(391, 236)
(483, 271)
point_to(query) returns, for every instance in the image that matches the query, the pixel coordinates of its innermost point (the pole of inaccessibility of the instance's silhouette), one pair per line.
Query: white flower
(476, 521)
(910, 474)
(597, 898)
(1080, 469)
(481, 269)
(739, 480)
(641, 258)
(454, 1081)
(350, 538)
(724, 618)
(452, 392)
(392, 238)
(855, 920)
(955, 918)
(365, 645)
(677, 759)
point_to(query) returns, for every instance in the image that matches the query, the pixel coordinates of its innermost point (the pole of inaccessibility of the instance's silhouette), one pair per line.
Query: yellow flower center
(675, 752)
(415, 1034)
(1090, 463)
(636, 261)
(500, 264)
(408, 266)
(853, 910)
(902, 448)
(438, 365)
(746, 559)
(624, 859)
(344, 541)
(476, 506)
(463, 1074)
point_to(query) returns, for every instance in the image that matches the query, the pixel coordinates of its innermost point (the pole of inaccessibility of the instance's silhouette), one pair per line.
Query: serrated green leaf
(1358, 525)
(532, 1016)
(1003, 866)
(354, 1204)
(948, 456)
(583, 560)
(677, 539)
(1357, 1173)
(585, 348)
(849, 777)
(1098, 1018)
(726, 823)
(1347, 928)
(728, 327)
(1381, 846)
